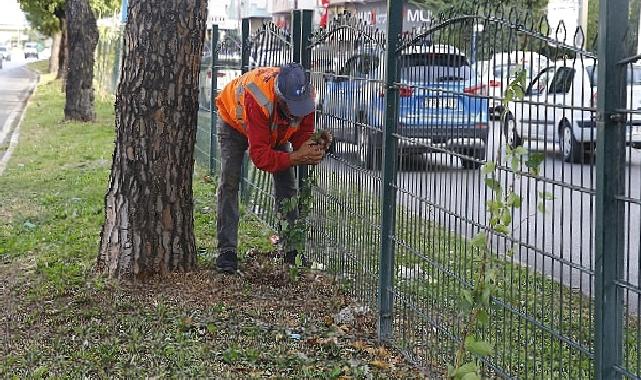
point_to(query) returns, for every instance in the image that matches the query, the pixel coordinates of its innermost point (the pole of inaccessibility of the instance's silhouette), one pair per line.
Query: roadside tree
(148, 228)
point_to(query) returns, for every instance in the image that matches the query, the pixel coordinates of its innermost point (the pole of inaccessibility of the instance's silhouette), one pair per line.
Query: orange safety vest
(258, 83)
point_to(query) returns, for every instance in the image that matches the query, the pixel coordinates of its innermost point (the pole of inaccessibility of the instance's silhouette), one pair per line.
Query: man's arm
(261, 151)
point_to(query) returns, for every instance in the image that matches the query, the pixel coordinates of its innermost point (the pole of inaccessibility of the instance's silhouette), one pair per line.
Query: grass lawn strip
(62, 321)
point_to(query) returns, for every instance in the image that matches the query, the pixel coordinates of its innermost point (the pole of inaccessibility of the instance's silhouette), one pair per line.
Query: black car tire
(571, 150)
(512, 137)
(370, 154)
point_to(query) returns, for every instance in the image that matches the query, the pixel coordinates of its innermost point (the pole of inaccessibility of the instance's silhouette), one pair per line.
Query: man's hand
(310, 153)
(326, 139)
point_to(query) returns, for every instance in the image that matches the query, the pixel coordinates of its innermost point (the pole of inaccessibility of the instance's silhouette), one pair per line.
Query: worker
(270, 111)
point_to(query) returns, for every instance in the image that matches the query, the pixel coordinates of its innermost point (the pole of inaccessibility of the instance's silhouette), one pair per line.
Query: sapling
(475, 303)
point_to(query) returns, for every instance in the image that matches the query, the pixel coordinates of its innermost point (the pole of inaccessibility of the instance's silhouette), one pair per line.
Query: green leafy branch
(475, 303)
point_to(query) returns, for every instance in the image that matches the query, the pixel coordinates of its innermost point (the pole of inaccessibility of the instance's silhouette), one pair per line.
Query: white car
(5, 52)
(31, 50)
(501, 69)
(558, 109)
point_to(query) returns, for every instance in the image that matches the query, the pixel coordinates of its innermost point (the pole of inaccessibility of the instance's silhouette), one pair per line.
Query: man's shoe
(290, 259)
(227, 262)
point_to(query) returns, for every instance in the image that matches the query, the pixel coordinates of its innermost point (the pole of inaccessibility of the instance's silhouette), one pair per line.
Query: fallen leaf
(382, 351)
(328, 320)
(379, 364)
(359, 345)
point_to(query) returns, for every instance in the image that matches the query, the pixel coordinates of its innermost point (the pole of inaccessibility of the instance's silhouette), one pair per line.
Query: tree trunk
(149, 227)
(54, 64)
(62, 54)
(82, 38)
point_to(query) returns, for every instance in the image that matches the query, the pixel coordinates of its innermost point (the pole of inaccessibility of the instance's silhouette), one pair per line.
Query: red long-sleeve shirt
(261, 149)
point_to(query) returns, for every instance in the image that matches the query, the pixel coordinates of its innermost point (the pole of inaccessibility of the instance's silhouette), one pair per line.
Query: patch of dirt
(259, 324)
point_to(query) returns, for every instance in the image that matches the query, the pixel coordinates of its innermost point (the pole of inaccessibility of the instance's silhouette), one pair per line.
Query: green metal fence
(398, 201)
(107, 63)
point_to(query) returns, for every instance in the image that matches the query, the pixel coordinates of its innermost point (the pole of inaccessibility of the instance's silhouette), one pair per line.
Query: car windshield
(435, 67)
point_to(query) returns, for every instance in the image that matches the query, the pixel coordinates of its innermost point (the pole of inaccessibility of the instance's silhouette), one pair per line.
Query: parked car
(502, 68)
(31, 50)
(558, 109)
(442, 105)
(6, 53)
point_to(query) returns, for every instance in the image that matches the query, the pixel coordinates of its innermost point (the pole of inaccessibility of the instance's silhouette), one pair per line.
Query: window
(540, 84)
(360, 66)
(562, 81)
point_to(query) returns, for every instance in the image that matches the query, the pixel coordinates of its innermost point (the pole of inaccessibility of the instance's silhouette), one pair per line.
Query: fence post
(212, 100)
(301, 33)
(244, 67)
(388, 175)
(610, 168)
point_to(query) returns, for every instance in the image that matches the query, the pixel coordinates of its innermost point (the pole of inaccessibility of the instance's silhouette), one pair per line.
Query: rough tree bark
(148, 227)
(82, 38)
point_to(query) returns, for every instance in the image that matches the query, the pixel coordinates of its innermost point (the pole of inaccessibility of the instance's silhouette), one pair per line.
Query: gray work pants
(232, 149)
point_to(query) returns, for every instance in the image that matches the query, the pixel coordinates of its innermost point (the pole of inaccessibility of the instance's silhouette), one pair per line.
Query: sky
(10, 13)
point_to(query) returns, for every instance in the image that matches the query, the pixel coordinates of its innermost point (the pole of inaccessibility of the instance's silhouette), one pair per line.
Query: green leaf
(478, 348)
(534, 161)
(494, 206)
(483, 317)
(546, 195)
(515, 163)
(541, 207)
(485, 296)
(513, 200)
(506, 217)
(488, 168)
(479, 241)
(465, 369)
(471, 376)
(493, 184)
(502, 229)
(520, 151)
(466, 295)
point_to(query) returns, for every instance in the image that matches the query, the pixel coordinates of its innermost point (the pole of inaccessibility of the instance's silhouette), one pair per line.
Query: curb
(15, 134)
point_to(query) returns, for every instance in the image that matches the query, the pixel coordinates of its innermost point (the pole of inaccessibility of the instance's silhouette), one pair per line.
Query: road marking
(12, 144)
(4, 160)
(6, 128)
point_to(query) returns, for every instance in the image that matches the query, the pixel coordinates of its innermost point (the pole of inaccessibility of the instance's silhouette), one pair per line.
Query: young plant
(476, 302)
(294, 235)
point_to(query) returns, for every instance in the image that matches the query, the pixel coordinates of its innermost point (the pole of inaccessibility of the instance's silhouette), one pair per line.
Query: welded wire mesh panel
(107, 62)
(630, 203)
(202, 149)
(453, 81)
(347, 71)
(269, 46)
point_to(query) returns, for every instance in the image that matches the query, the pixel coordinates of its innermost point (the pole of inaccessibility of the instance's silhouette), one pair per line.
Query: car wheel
(370, 155)
(571, 150)
(512, 137)
(476, 163)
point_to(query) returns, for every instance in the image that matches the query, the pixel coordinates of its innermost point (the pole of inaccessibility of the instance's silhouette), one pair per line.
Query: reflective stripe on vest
(260, 97)
(239, 106)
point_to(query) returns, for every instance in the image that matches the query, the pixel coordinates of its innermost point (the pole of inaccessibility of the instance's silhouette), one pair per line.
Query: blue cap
(295, 89)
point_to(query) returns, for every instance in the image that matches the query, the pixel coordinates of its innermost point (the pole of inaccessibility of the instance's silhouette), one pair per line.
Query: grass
(62, 321)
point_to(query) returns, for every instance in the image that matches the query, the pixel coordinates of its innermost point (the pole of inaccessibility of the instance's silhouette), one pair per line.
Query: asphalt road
(558, 242)
(16, 83)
